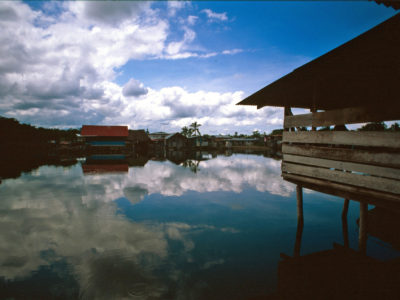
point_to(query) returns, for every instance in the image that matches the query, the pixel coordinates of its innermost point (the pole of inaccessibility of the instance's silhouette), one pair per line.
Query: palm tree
(186, 131)
(195, 128)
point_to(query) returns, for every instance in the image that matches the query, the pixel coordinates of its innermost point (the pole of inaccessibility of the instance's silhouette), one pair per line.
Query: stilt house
(105, 137)
(357, 82)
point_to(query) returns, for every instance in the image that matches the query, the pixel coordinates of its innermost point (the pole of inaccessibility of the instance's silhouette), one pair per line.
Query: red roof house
(106, 131)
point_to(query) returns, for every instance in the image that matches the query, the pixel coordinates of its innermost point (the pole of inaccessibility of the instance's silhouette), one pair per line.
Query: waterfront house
(105, 138)
(176, 141)
(138, 140)
(243, 142)
(158, 142)
(157, 136)
(357, 82)
(198, 141)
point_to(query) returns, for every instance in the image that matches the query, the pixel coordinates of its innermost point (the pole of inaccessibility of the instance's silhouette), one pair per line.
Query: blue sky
(162, 65)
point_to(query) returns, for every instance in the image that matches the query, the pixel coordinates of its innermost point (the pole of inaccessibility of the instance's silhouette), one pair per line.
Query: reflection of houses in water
(105, 164)
(137, 160)
(177, 157)
(105, 138)
(354, 83)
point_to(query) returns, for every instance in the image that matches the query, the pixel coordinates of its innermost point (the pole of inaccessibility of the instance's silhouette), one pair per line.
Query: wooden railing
(357, 165)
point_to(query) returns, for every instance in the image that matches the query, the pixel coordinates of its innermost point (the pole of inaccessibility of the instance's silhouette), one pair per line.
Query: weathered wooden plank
(340, 165)
(386, 159)
(355, 138)
(370, 182)
(350, 115)
(346, 191)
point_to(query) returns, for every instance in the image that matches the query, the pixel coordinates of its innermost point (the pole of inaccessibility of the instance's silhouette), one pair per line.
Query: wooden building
(105, 138)
(138, 140)
(198, 141)
(356, 82)
(176, 141)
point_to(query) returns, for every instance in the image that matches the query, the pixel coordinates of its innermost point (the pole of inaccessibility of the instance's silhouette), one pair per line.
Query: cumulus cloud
(213, 16)
(109, 13)
(58, 66)
(134, 88)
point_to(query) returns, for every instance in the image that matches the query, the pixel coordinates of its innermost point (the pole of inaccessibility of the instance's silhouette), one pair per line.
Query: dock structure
(357, 82)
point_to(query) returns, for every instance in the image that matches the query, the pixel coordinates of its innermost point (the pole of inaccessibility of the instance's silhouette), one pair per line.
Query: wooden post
(345, 229)
(345, 208)
(300, 221)
(313, 110)
(362, 234)
(288, 112)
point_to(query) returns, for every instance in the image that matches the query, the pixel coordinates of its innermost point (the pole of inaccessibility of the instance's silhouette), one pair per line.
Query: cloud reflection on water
(74, 217)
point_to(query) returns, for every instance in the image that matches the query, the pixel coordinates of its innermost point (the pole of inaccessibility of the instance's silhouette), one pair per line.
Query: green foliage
(256, 134)
(374, 126)
(276, 132)
(394, 127)
(12, 131)
(186, 131)
(195, 128)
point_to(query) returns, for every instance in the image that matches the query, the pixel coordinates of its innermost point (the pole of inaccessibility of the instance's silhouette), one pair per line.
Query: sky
(162, 65)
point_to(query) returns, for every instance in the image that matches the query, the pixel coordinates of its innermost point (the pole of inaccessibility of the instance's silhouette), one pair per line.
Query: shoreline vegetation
(24, 147)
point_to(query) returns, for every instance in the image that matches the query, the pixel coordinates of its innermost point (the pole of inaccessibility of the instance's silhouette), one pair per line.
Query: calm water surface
(213, 229)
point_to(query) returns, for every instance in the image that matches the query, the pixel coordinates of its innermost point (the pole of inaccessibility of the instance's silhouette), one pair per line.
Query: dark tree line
(12, 131)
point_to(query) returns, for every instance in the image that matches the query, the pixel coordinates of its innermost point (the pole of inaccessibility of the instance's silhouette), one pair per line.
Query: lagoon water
(211, 229)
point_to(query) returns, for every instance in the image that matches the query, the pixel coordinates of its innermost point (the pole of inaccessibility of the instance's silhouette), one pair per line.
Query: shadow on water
(343, 272)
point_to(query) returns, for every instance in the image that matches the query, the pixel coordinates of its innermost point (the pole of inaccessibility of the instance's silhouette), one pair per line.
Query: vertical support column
(300, 221)
(313, 110)
(288, 112)
(362, 234)
(345, 229)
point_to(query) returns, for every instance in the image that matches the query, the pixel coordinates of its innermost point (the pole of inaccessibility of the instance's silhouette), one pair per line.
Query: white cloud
(233, 51)
(213, 16)
(174, 6)
(61, 72)
(134, 88)
(192, 20)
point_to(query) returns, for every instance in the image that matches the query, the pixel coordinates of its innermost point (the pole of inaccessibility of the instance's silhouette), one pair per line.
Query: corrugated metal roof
(173, 134)
(96, 130)
(363, 71)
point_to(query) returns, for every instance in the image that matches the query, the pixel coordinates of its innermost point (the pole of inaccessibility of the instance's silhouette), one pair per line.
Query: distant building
(138, 140)
(243, 141)
(105, 138)
(157, 136)
(198, 141)
(176, 141)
